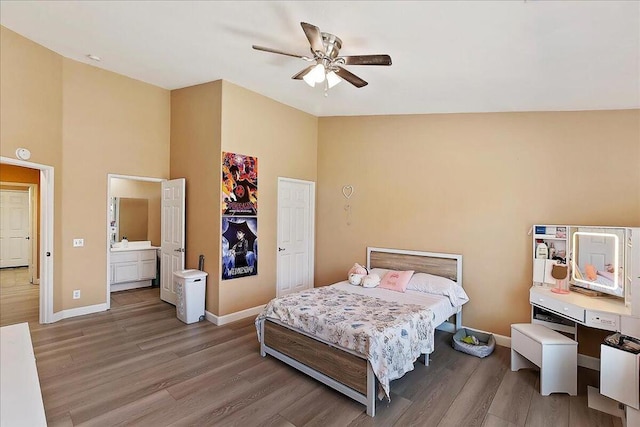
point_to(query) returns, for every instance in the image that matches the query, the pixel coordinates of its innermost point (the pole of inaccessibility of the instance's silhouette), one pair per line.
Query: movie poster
(239, 185)
(239, 247)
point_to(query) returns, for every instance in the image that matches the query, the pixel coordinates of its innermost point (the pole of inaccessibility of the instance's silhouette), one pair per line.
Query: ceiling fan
(327, 65)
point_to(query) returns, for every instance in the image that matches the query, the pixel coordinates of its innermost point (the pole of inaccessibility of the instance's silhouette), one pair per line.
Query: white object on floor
(555, 355)
(599, 402)
(20, 396)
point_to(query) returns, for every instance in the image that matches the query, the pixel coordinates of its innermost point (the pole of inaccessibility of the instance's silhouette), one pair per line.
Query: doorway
(42, 252)
(296, 231)
(145, 215)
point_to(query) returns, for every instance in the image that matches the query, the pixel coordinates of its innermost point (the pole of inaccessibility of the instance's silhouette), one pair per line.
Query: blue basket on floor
(485, 348)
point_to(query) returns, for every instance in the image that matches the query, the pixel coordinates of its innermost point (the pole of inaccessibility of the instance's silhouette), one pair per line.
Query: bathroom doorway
(137, 236)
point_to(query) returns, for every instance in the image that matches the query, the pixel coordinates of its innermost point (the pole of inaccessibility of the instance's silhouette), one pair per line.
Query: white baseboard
(79, 311)
(232, 317)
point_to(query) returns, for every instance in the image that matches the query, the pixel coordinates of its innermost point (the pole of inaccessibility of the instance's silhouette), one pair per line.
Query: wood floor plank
(494, 421)
(513, 397)
(387, 413)
(136, 364)
(123, 414)
(442, 386)
(471, 405)
(261, 404)
(552, 410)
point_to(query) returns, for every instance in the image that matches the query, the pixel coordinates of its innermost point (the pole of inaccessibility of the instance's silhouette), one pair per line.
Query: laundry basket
(485, 348)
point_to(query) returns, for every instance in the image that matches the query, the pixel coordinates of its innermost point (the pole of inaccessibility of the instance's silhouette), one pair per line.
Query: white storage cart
(190, 293)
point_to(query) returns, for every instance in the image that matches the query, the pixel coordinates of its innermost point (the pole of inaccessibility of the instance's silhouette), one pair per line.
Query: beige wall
(220, 116)
(195, 155)
(473, 184)
(86, 123)
(31, 116)
(285, 141)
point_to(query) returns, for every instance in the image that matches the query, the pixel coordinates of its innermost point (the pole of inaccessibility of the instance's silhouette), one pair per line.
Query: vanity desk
(605, 260)
(562, 311)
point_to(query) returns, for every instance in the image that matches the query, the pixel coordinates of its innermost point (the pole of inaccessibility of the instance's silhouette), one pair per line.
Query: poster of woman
(239, 185)
(239, 247)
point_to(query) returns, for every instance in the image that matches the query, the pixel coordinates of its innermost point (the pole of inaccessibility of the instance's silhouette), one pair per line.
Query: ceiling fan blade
(350, 77)
(303, 73)
(314, 36)
(367, 60)
(279, 52)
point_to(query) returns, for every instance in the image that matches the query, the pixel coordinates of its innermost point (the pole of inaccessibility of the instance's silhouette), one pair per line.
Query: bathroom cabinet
(132, 269)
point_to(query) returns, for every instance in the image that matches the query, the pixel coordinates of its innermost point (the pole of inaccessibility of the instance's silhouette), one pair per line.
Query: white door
(172, 247)
(296, 225)
(15, 243)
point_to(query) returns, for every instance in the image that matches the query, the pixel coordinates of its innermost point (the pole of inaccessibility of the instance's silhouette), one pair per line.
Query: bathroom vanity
(132, 265)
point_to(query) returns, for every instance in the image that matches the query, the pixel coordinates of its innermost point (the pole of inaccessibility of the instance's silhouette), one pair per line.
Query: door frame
(108, 228)
(312, 227)
(46, 233)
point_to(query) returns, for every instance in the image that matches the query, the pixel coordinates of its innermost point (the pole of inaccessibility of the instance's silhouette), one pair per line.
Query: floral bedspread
(391, 335)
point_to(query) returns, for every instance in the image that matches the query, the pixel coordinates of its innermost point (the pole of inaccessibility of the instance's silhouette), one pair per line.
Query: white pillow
(437, 285)
(380, 272)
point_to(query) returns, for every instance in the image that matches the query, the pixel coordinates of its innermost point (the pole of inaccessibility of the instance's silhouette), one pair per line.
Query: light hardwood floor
(139, 365)
(19, 299)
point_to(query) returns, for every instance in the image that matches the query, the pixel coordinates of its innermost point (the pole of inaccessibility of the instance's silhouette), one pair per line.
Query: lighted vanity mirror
(597, 261)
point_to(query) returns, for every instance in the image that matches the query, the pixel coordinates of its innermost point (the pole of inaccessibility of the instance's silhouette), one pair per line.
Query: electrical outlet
(76, 294)
(78, 243)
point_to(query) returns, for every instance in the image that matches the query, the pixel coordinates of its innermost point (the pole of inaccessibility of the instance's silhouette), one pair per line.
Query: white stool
(556, 355)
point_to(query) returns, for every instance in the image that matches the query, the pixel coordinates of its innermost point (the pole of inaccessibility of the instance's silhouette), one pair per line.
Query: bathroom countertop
(133, 246)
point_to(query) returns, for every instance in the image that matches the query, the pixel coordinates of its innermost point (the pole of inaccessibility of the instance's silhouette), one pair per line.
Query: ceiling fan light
(309, 79)
(333, 79)
(317, 74)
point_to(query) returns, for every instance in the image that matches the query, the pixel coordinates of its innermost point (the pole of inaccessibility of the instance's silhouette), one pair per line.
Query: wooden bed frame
(344, 370)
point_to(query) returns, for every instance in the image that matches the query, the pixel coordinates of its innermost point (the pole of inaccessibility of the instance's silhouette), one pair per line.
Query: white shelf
(548, 237)
(556, 326)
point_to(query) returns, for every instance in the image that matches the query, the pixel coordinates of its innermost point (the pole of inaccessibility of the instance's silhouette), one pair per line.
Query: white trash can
(190, 292)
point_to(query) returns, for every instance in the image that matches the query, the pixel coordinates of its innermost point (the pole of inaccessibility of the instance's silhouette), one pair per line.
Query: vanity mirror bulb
(23, 154)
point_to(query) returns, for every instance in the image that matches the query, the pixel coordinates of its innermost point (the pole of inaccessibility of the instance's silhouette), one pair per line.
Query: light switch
(77, 243)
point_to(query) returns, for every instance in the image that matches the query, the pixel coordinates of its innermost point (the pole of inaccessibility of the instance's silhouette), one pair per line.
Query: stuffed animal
(370, 281)
(358, 269)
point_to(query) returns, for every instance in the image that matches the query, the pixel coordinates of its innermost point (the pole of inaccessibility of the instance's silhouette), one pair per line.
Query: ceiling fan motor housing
(332, 45)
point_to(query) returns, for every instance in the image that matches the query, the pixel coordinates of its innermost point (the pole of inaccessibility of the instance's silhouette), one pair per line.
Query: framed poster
(239, 185)
(239, 247)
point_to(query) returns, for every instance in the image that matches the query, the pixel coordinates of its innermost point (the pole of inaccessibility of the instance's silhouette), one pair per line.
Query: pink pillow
(396, 280)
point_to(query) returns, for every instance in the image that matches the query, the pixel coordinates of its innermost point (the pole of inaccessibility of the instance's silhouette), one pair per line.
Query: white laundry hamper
(190, 288)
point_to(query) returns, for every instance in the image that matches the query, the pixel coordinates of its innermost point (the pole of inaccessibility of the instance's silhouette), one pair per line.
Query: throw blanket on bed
(391, 335)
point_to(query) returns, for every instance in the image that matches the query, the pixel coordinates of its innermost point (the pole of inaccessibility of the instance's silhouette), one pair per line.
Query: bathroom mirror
(597, 261)
(129, 217)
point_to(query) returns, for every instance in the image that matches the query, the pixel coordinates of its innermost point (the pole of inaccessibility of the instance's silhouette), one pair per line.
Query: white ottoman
(555, 354)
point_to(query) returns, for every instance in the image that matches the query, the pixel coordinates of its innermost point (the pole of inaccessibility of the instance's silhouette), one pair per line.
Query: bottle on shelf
(542, 251)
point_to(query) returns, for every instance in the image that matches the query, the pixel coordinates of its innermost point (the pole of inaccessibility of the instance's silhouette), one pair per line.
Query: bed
(352, 371)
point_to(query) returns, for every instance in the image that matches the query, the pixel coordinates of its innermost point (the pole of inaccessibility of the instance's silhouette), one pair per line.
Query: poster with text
(239, 247)
(239, 185)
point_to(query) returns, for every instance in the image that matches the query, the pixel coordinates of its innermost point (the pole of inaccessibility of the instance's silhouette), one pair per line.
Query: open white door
(172, 248)
(296, 219)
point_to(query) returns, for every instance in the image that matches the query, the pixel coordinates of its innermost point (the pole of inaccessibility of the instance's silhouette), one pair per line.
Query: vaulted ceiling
(448, 56)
